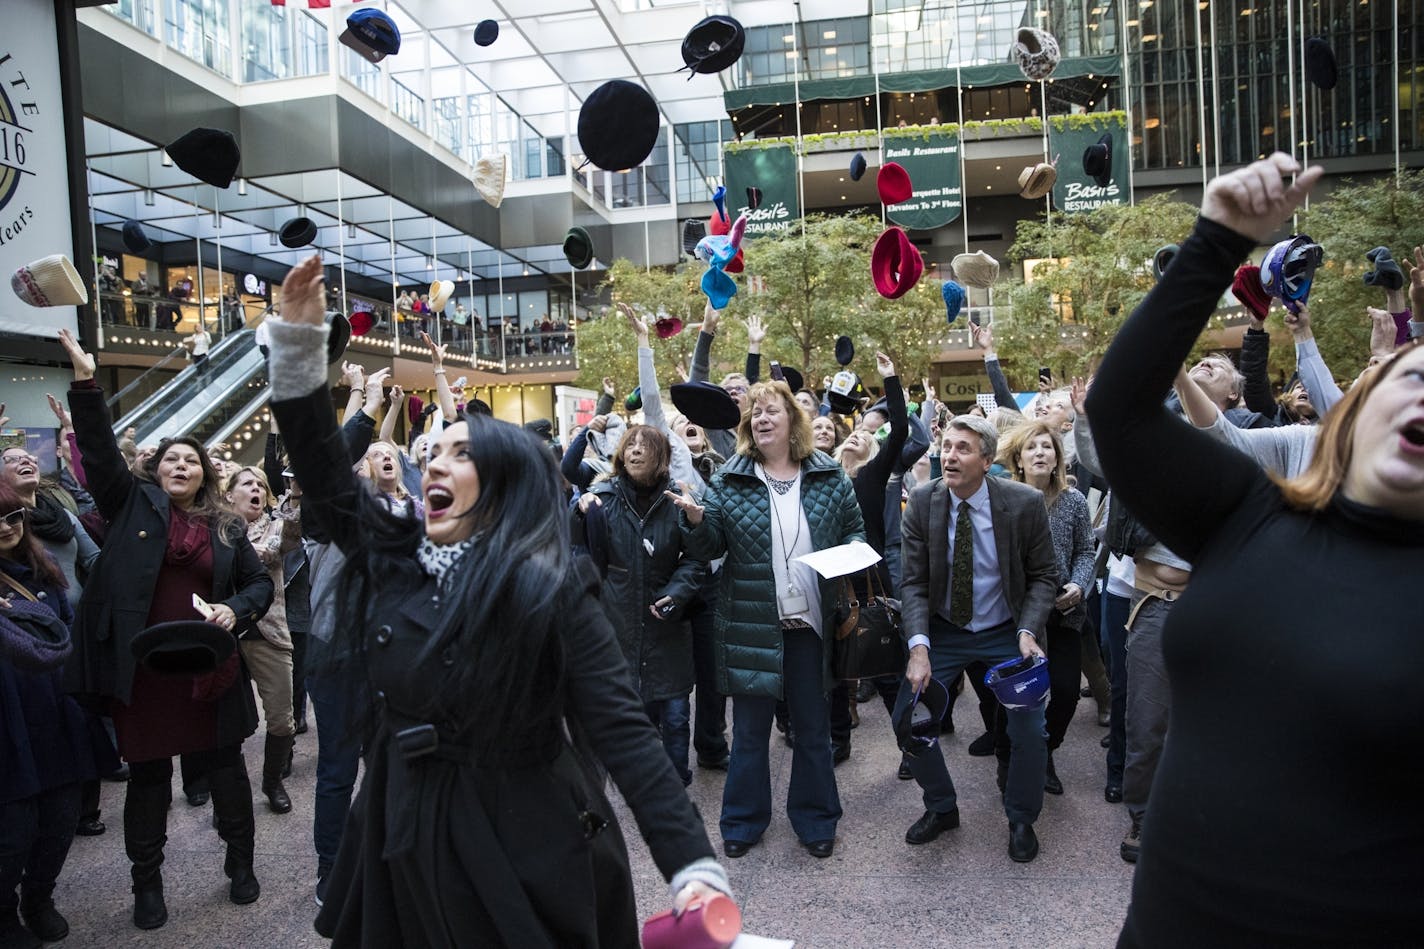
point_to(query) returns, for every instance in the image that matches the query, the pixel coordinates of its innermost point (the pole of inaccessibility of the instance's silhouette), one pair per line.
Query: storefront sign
(1076, 190)
(34, 183)
(773, 170)
(932, 162)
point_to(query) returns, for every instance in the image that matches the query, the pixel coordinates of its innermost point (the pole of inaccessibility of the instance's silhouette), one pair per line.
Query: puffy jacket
(643, 561)
(737, 524)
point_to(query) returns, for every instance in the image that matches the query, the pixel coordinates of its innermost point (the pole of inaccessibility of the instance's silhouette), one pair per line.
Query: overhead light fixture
(167, 162)
(430, 263)
(242, 186)
(828, 35)
(351, 231)
(272, 238)
(148, 197)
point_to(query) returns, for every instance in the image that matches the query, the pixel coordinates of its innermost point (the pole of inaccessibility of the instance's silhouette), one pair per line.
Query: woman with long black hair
(171, 538)
(481, 819)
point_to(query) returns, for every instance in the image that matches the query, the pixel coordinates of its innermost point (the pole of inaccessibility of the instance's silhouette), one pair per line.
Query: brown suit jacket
(1027, 566)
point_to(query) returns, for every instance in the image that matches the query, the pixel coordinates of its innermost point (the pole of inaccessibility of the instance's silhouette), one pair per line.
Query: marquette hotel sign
(35, 197)
(17, 108)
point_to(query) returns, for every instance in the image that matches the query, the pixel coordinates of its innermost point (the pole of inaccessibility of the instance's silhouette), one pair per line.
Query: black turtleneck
(1285, 810)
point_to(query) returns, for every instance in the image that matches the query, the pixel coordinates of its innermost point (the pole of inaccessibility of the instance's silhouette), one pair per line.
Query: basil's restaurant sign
(1076, 190)
(34, 184)
(933, 165)
(773, 170)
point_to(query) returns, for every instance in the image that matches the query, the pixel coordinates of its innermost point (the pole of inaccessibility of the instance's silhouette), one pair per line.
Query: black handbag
(867, 642)
(32, 638)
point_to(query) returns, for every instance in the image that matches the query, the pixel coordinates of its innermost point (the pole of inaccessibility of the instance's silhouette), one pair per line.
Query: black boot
(232, 806)
(1051, 784)
(145, 833)
(275, 757)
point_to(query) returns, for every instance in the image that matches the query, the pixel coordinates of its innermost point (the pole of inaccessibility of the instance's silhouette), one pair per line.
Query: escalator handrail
(183, 377)
(249, 364)
(113, 400)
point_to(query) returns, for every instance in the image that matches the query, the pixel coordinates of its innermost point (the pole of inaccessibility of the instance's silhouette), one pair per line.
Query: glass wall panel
(697, 149)
(199, 30)
(140, 13)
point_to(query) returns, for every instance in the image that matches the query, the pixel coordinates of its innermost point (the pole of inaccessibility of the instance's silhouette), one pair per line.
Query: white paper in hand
(748, 941)
(842, 560)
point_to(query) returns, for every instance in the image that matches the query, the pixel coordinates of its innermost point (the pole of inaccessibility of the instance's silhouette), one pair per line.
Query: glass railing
(201, 392)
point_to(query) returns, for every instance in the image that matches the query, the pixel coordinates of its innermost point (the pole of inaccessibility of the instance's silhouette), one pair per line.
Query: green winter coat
(737, 525)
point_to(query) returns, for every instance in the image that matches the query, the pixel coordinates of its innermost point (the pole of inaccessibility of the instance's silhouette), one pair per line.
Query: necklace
(777, 484)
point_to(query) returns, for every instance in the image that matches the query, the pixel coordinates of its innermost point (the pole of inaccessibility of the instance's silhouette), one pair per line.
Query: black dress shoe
(905, 774)
(1113, 793)
(15, 936)
(1023, 843)
(840, 752)
(122, 774)
(1105, 740)
(866, 691)
(737, 848)
(89, 827)
(821, 849)
(930, 826)
(301, 726)
(149, 912)
(1051, 784)
(983, 746)
(198, 798)
(714, 764)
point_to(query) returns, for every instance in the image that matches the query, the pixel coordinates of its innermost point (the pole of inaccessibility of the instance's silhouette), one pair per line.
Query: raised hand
(376, 381)
(983, 335)
(929, 390)
(608, 387)
(1078, 393)
(1382, 332)
(756, 331)
(303, 293)
(437, 351)
(66, 422)
(684, 502)
(82, 362)
(353, 374)
(637, 324)
(1415, 272)
(397, 394)
(709, 320)
(1256, 200)
(884, 366)
(1299, 322)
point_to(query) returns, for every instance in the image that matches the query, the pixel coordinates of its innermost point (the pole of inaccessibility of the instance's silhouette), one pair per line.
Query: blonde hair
(853, 465)
(400, 492)
(1312, 489)
(230, 481)
(801, 445)
(1011, 449)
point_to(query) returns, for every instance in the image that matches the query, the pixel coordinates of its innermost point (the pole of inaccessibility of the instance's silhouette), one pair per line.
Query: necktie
(961, 582)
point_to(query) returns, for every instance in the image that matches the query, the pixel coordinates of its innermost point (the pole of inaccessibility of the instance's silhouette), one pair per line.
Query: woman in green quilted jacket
(775, 500)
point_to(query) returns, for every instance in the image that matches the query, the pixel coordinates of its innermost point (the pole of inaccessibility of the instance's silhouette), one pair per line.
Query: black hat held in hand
(183, 647)
(209, 155)
(618, 125)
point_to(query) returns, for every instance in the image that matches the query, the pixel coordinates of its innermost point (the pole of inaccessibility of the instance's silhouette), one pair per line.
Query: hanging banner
(773, 170)
(932, 161)
(1076, 190)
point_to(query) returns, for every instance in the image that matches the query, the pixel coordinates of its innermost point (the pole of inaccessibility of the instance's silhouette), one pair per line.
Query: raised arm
(1255, 354)
(756, 332)
(879, 468)
(702, 352)
(1180, 482)
(302, 406)
(443, 395)
(94, 429)
(1003, 395)
(393, 411)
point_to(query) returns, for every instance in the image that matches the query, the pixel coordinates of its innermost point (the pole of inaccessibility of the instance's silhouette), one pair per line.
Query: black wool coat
(116, 601)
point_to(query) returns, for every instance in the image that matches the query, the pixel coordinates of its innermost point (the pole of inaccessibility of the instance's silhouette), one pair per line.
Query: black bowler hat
(706, 404)
(578, 248)
(298, 232)
(793, 378)
(209, 155)
(713, 44)
(1320, 65)
(486, 32)
(845, 351)
(337, 338)
(693, 230)
(135, 239)
(183, 647)
(618, 125)
(753, 197)
(1097, 159)
(857, 166)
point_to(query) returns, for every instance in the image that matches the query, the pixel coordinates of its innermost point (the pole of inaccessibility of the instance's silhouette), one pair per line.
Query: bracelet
(439, 372)
(1029, 634)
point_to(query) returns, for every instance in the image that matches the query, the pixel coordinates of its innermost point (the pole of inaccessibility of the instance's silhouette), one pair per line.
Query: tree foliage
(1092, 270)
(1347, 223)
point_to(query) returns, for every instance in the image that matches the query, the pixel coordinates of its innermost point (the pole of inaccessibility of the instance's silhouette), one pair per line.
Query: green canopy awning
(925, 80)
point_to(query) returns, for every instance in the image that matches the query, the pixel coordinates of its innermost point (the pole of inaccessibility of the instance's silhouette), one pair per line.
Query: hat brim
(338, 338)
(578, 248)
(352, 40)
(182, 647)
(707, 405)
(895, 264)
(440, 293)
(793, 378)
(1040, 182)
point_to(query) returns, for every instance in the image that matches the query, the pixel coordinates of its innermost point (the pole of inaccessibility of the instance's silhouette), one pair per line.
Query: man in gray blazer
(994, 610)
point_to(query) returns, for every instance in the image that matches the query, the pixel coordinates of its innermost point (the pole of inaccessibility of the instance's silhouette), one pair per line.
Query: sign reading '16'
(932, 162)
(14, 146)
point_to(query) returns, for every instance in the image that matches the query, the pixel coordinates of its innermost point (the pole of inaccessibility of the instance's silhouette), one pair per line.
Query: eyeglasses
(18, 457)
(735, 390)
(14, 519)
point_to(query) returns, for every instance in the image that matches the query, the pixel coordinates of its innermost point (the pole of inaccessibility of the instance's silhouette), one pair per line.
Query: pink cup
(711, 923)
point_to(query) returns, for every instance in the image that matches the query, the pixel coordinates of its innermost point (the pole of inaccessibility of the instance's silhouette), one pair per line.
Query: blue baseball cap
(373, 34)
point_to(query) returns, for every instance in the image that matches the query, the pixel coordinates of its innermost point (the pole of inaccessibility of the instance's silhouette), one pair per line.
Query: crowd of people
(496, 628)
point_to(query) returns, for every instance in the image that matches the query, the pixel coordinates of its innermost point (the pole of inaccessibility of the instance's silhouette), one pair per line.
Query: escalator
(207, 403)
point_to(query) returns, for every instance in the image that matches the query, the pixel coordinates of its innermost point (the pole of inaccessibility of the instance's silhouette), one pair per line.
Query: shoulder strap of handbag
(18, 587)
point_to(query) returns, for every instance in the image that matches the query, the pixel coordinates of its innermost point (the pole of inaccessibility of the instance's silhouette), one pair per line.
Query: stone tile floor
(961, 890)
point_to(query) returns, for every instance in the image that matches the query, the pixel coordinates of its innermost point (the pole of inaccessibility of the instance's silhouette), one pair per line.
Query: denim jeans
(813, 804)
(1115, 610)
(951, 650)
(336, 704)
(672, 719)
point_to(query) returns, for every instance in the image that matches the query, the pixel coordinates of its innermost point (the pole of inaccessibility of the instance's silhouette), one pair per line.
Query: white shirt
(791, 538)
(991, 606)
(201, 342)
